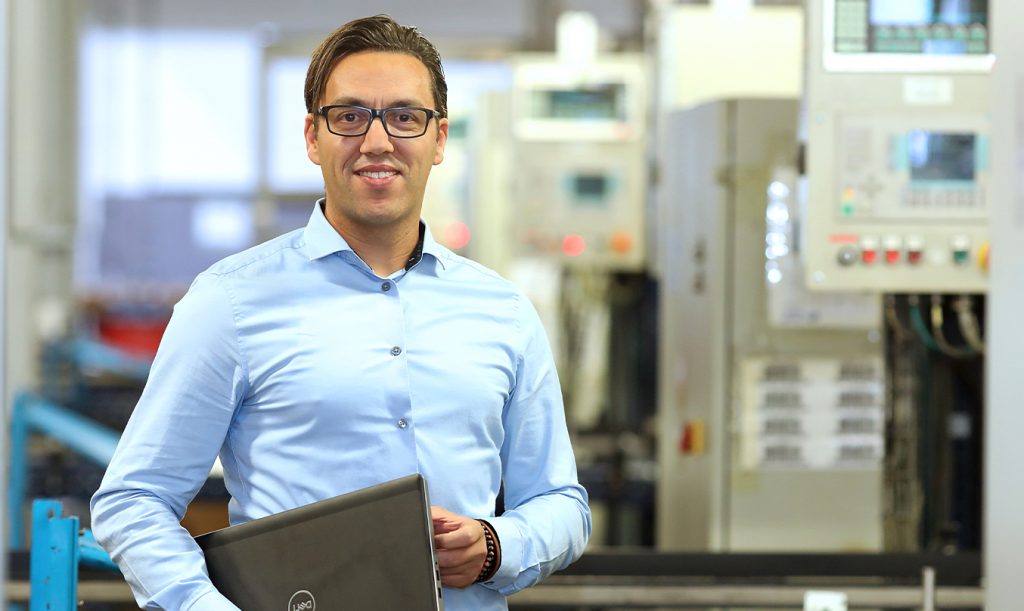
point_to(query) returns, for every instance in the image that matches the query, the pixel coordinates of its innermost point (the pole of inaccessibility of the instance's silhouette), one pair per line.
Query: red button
(914, 257)
(892, 257)
(573, 245)
(869, 256)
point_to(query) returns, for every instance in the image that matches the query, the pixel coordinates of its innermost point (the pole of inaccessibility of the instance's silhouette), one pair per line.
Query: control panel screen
(590, 188)
(934, 156)
(919, 27)
(603, 102)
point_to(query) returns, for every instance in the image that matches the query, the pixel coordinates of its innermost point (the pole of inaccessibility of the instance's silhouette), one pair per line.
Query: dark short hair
(379, 33)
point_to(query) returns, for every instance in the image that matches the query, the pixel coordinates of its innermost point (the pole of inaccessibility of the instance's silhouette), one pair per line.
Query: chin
(382, 218)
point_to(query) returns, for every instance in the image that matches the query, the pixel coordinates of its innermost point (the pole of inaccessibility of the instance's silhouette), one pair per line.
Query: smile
(377, 174)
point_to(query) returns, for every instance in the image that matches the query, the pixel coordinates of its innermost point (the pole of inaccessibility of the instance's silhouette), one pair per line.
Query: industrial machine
(578, 160)
(897, 129)
(898, 168)
(770, 427)
(576, 223)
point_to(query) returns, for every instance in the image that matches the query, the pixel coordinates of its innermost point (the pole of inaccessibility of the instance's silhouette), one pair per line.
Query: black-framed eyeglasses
(398, 122)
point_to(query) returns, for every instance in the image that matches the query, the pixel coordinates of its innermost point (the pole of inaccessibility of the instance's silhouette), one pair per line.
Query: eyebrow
(350, 101)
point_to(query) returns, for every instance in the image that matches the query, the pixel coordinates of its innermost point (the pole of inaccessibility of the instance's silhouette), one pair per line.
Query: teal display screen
(604, 102)
(941, 157)
(920, 27)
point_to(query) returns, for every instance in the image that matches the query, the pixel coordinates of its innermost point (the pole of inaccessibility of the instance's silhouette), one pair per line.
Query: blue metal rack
(57, 550)
(32, 413)
(58, 545)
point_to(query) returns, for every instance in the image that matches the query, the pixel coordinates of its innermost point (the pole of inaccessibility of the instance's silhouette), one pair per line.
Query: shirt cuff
(511, 542)
(211, 600)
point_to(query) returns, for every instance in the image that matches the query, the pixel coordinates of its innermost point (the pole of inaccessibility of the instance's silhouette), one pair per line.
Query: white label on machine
(803, 413)
(819, 600)
(928, 90)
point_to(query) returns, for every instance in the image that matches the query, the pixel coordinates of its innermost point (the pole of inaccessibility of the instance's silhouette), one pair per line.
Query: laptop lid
(369, 549)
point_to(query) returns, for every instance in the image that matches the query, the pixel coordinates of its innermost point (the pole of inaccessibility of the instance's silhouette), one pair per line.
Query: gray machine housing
(718, 161)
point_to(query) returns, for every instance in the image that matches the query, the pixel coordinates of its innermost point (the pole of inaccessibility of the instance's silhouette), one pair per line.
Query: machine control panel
(909, 204)
(579, 146)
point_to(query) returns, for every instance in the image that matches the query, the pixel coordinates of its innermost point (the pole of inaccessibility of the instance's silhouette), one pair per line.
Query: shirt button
(396, 351)
(403, 423)
(385, 287)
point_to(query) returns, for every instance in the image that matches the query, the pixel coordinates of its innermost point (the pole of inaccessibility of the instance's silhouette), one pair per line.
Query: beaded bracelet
(493, 558)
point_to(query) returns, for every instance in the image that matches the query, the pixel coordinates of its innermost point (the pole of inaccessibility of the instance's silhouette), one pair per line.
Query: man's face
(375, 181)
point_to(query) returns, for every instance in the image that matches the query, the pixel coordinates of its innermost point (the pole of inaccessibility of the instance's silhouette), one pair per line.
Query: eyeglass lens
(401, 122)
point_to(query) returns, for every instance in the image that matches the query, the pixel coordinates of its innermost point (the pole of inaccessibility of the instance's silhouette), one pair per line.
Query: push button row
(894, 250)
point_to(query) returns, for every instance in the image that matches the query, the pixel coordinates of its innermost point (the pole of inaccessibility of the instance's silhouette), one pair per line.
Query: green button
(847, 209)
(960, 256)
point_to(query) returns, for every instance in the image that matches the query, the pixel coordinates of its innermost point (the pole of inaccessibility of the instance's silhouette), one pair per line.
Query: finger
(460, 576)
(457, 581)
(465, 536)
(443, 520)
(443, 525)
(454, 558)
(468, 567)
(437, 513)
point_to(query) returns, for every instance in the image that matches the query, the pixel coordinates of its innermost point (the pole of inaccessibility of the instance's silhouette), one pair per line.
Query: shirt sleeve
(547, 523)
(165, 454)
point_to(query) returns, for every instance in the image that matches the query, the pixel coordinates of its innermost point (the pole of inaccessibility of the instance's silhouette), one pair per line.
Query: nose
(376, 140)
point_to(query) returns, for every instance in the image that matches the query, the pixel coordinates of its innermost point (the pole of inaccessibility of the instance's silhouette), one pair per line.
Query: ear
(442, 138)
(312, 149)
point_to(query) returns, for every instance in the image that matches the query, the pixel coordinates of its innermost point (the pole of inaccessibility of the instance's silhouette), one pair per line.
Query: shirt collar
(323, 240)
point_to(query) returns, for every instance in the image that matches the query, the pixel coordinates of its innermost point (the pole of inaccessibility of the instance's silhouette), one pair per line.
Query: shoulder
(461, 270)
(502, 294)
(261, 259)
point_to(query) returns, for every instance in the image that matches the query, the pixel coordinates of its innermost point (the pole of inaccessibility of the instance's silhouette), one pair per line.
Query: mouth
(377, 174)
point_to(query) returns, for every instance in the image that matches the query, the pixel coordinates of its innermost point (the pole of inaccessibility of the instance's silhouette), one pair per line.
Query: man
(352, 352)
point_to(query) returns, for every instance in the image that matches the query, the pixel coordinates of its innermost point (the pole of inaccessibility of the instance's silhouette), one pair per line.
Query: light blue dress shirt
(310, 377)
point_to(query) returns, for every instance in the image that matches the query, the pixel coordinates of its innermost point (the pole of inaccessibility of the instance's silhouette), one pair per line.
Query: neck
(385, 249)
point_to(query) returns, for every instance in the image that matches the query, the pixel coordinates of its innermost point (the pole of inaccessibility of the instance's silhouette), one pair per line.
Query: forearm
(159, 559)
(539, 537)
(547, 521)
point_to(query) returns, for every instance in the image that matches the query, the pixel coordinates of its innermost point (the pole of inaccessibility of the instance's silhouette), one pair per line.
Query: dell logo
(302, 601)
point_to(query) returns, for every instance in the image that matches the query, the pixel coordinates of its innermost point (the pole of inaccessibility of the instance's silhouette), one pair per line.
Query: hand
(460, 545)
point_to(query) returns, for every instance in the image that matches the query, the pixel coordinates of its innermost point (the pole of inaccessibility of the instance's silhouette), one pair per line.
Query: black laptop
(366, 550)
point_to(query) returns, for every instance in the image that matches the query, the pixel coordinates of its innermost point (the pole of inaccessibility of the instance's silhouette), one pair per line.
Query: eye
(349, 117)
(405, 117)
